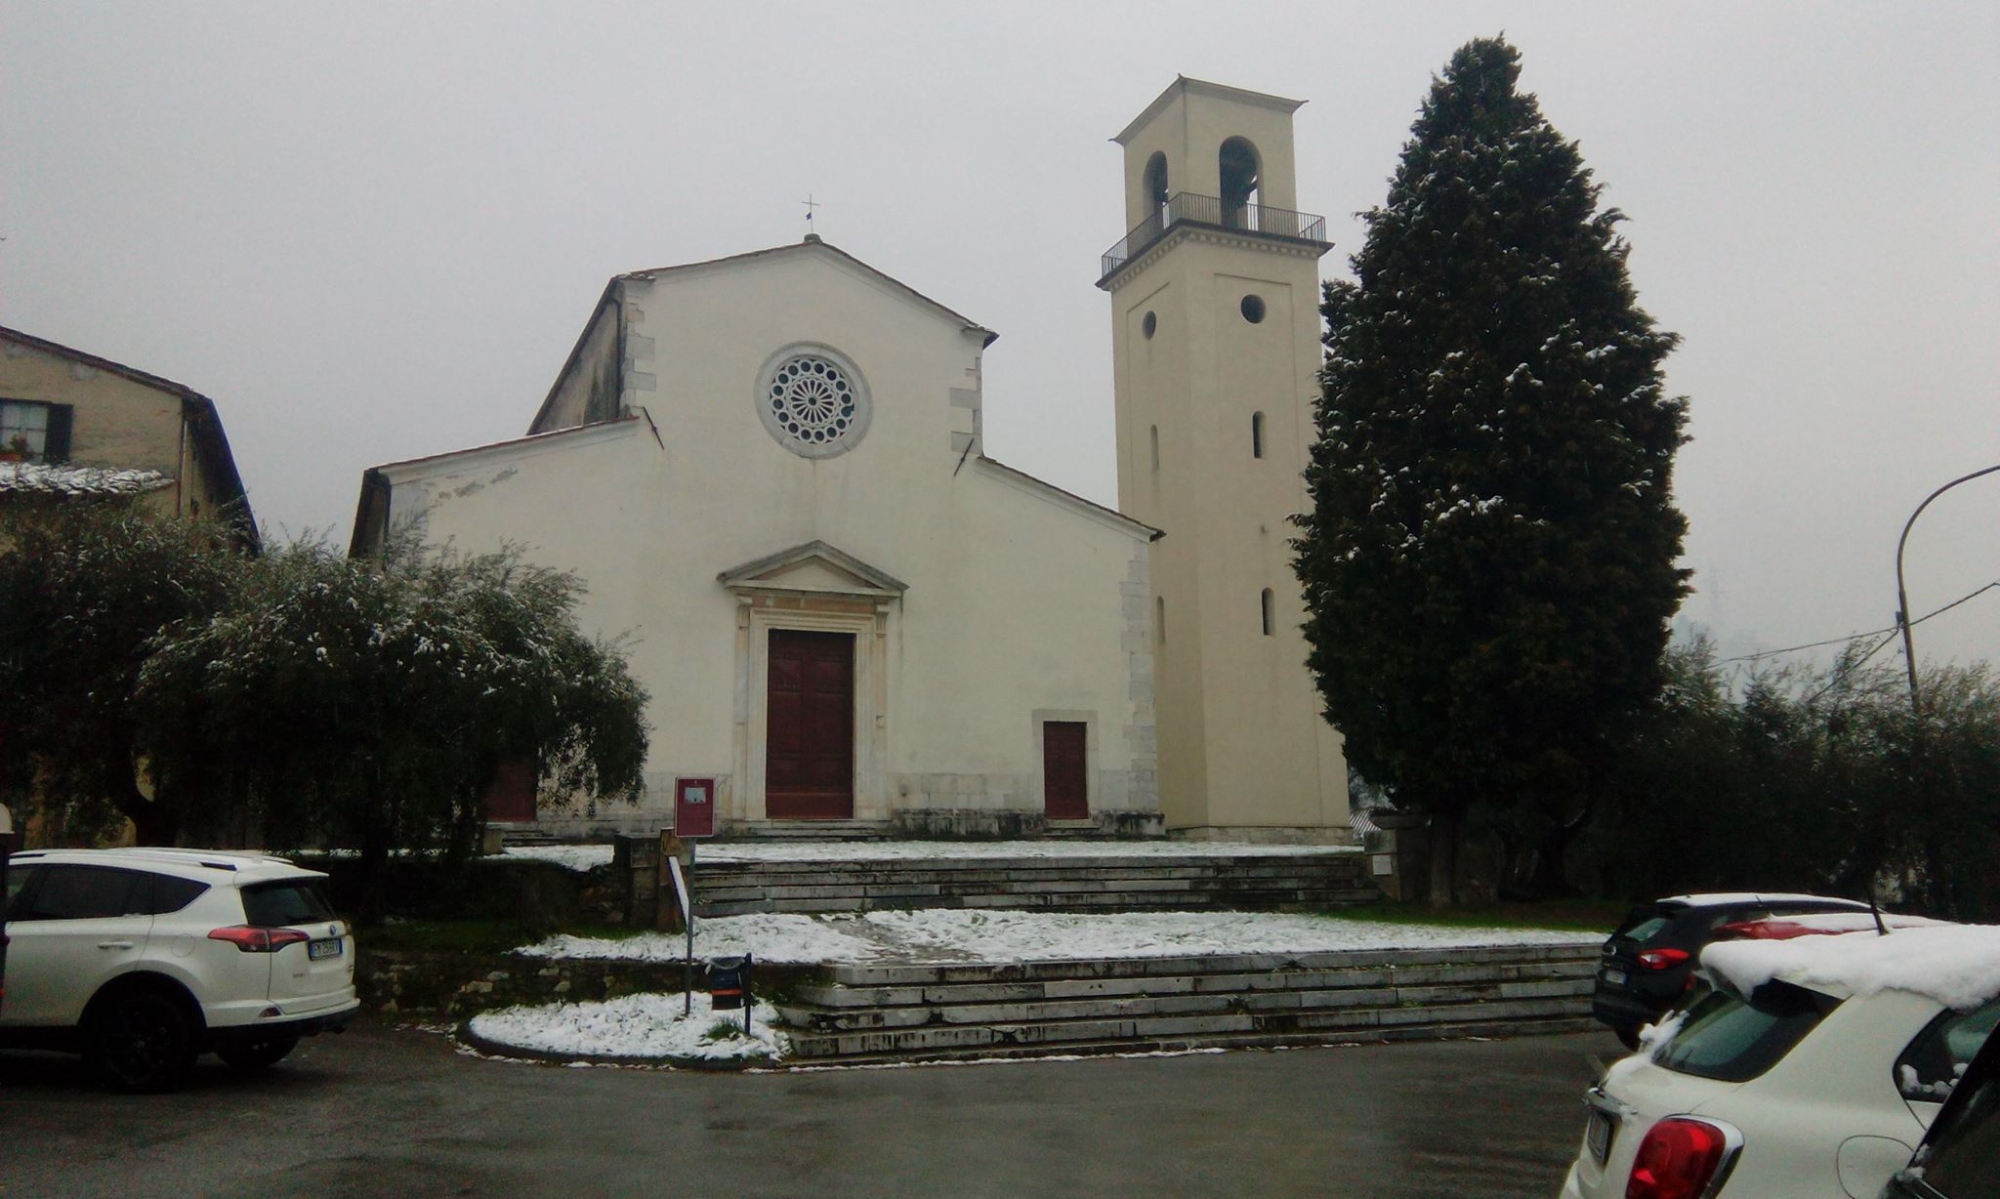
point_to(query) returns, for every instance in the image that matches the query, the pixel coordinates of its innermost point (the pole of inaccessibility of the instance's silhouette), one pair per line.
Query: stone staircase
(524, 834)
(809, 830)
(1109, 882)
(905, 1013)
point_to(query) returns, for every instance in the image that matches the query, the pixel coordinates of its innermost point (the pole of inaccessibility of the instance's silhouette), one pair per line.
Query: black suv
(1649, 963)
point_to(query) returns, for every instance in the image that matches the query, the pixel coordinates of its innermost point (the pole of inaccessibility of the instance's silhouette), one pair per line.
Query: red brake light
(1677, 1160)
(258, 940)
(1662, 959)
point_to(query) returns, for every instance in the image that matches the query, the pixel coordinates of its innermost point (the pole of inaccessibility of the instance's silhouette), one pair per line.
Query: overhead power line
(1891, 629)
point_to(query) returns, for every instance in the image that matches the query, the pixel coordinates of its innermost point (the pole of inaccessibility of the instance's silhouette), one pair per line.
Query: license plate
(1615, 977)
(1598, 1135)
(329, 948)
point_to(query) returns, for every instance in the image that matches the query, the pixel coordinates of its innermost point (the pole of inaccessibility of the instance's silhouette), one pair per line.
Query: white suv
(143, 959)
(1811, 1071)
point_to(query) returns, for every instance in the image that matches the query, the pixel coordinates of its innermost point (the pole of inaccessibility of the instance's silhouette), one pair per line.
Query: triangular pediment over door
(812, 657)
(814, 568)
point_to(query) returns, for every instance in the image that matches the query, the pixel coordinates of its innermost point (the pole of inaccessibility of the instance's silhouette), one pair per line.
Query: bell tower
(1216, 352)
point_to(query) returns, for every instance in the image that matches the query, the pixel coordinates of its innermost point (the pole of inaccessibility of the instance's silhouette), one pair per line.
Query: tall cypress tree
(1489, 563)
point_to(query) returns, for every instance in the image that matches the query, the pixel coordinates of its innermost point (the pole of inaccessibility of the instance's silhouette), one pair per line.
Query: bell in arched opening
(1238, 161)
(1155, 184)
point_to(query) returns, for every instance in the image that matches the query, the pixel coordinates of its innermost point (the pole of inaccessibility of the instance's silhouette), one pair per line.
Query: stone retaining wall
(457, 985)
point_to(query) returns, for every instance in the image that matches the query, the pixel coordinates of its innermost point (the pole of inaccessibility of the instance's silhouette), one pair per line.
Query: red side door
(809, 727)
(1064, 793)
(511, 796)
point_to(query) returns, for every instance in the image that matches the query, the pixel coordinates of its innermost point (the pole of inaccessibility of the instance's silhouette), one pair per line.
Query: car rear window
(1735, 1040)
(294, 901)
(171, 894)
(1641, 924)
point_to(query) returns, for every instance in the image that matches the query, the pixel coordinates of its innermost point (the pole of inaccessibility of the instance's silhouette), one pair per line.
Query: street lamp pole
(1902, 594)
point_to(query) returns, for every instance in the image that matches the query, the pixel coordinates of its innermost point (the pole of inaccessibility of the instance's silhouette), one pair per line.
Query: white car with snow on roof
(1812, 1069)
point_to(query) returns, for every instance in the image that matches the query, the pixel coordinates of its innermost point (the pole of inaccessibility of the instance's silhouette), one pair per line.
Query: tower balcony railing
(1186, 208)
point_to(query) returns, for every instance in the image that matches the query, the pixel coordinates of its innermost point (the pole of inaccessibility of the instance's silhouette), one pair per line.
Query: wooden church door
(809, 727)
(1065, 794)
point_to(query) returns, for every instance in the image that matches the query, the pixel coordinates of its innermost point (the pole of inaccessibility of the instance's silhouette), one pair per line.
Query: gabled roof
(104, 364)
(813, 245)
(211, 443)
(1182, 85)
(371, 510)
(568, 432)
(1068, 499)
(866, 579)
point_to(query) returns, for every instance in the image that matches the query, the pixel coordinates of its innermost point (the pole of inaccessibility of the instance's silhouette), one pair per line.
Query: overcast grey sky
(372, 232)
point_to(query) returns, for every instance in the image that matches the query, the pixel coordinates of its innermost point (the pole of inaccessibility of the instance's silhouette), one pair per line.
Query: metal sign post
(694, 816)
(682, 892)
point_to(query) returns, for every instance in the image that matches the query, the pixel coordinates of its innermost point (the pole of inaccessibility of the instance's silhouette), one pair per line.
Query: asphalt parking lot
(398, 1111)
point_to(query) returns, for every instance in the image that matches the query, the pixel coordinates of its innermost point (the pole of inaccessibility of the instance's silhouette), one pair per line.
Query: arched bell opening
(1155, 183)
(1239, 165)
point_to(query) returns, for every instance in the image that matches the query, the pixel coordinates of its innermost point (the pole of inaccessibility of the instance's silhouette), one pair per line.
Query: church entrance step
(810, 830)
(995, 1049)
(1096, 883)
(525, 834)
(885, 1013)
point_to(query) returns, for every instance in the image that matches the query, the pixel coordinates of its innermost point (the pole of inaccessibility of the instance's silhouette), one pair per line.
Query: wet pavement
(386, 1111)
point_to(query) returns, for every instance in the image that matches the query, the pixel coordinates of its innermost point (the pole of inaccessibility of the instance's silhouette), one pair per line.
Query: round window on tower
(1252, 308)
(813, 401)
(1150, 325)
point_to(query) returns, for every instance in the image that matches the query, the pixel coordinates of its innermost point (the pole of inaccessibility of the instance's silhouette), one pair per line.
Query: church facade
(769, 472)
(767, 469)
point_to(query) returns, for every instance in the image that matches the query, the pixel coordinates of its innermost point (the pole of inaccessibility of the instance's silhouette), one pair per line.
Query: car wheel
(256, 1054)
(142, 1041)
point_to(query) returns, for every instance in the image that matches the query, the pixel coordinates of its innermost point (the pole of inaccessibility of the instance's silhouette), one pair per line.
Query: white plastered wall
(1018, 599)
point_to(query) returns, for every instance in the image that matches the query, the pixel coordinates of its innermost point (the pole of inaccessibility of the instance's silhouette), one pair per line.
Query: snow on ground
(771, 936)
(943, 935)
(637, 1026)
(570, 857)
(1956, 964)
(583, 857)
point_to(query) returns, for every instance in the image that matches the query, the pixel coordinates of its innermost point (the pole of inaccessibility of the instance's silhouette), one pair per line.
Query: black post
(6, 851)
(1903, 618)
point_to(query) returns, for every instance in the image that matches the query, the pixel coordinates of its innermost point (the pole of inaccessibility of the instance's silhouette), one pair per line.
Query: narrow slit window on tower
(1160, 618)
(1154, 431)
(1256, 435)
(1238, 162)
(1264, 608)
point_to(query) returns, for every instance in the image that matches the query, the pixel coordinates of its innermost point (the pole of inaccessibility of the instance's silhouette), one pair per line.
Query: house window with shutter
(33, 430)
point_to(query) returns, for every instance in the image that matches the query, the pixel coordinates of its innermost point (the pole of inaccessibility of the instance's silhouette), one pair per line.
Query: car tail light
(1662, 959)
(258, 940)
(1677, 1160)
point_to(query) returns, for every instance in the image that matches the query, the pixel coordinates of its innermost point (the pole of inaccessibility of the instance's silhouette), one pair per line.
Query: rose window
(814, 404)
